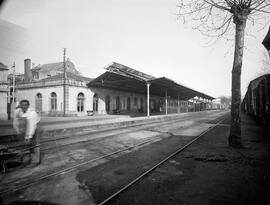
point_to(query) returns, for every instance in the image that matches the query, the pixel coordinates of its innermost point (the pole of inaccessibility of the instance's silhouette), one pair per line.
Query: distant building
(47, 70)
(3, 91)
(219, 105)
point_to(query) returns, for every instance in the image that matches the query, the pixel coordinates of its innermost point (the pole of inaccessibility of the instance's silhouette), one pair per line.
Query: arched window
(39, 102)
(39, 96)
(80, 102)
(53, 101)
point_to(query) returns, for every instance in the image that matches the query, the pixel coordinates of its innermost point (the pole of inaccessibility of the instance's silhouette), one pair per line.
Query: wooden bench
(90, 112)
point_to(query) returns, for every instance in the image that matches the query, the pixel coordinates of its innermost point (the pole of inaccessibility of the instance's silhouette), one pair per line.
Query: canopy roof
(120, 77)
(175, 89)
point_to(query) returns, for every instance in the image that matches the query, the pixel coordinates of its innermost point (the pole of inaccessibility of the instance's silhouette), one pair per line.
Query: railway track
(108, 133)
(49, 143)
(144, 174)
(39, 179)
(88, 132)
(72, 168)
(56, 142)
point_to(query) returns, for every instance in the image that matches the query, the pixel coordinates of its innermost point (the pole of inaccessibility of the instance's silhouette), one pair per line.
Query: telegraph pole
(13, 84)
(64, 85)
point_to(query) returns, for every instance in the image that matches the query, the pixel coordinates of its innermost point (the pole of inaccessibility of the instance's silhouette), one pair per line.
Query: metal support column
(148, 98)
(166, 102)
(64, 83)
(178, 104)
(194, 106)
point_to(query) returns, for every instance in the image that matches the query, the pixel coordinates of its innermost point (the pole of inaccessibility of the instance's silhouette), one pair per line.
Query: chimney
(27, 70)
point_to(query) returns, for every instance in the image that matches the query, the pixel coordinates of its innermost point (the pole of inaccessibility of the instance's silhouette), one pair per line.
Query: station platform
(51, 123)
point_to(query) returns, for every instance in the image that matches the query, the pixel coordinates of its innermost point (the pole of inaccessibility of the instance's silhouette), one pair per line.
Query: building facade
(47, 96)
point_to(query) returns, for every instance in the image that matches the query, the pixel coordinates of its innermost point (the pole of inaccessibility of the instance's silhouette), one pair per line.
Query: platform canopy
(120, 77)
(175, 89)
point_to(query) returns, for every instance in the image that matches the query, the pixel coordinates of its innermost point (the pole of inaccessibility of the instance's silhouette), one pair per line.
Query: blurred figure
(25, 123)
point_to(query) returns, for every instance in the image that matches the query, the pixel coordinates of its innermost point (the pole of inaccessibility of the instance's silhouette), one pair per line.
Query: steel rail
(74, 167)
(157, 165)
(148, 125)
(117, 128)
(164, 121)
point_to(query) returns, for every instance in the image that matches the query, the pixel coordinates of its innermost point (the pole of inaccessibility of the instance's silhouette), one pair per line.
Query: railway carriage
(257, 99)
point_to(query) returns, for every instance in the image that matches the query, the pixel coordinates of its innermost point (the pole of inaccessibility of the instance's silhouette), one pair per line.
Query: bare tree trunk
(235, 131)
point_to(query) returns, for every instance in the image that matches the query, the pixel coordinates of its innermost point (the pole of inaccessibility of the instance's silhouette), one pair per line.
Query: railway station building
(43, 86)
(119, 90)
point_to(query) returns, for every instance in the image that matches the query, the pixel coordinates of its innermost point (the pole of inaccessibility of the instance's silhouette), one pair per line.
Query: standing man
(25, 123)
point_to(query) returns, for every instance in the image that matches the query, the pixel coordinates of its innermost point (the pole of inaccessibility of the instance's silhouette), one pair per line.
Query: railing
(50, 83)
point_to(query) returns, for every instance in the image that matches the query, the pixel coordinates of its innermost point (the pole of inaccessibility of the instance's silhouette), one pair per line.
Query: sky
(142, 34)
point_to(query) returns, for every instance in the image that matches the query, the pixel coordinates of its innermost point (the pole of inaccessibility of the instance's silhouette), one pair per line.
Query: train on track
(256, 102)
